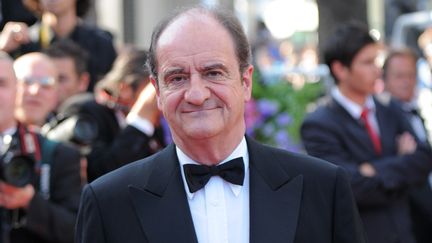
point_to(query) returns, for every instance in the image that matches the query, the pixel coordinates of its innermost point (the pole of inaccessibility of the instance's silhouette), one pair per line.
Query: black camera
(16, 167)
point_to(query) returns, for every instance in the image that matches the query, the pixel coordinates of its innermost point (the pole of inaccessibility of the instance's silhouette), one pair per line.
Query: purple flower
(282, 138)
(267, 107)
(284, 141)
(283, 119)
(268, 129)
(252, 116)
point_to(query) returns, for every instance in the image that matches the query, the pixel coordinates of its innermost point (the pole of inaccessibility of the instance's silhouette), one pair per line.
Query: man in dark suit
(40, 208)
(214, 184)
(368, 138)
(400, 80)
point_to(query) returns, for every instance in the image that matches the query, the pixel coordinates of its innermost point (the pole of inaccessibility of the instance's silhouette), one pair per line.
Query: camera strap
(29, 142)
(43, 156)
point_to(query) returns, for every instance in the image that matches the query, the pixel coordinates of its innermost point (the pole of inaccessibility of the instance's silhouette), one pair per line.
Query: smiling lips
(199, 110)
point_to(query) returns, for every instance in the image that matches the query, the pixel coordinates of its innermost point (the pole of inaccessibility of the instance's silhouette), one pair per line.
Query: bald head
(34, 64)
(37, 93)
(225, 18)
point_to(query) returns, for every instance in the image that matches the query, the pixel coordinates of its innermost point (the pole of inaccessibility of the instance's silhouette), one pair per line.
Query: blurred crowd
(75, 107)
(374, 120)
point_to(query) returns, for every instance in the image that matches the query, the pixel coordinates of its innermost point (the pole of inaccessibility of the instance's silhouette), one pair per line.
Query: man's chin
(201, 132)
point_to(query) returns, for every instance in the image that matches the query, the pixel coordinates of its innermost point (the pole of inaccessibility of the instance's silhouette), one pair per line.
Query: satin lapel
(161, 202)
(275, 198)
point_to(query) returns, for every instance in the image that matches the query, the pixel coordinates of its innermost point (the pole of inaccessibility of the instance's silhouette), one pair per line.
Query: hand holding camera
(17, 169)
(12, 197)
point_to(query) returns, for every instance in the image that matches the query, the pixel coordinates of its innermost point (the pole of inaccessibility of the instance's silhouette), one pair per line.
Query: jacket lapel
(275, 197)
(161, 202)
(356, 131)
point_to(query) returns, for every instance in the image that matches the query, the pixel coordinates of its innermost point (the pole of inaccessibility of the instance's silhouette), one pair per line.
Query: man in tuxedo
(400, 79)
(367, 137)
(214, 184)
(40, 205)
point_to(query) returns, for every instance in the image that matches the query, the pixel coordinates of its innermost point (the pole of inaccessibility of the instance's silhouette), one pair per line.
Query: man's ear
(84, 80)
(339, 70)
(154, 81)
(247, 82)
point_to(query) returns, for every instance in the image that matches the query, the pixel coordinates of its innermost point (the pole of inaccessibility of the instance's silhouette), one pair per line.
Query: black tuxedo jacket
(293, 198)
(331, 133)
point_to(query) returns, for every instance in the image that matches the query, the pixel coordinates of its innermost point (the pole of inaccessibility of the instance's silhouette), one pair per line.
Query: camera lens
(19, 171)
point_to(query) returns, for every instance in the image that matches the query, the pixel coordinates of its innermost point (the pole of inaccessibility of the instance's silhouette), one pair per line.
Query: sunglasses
(42, 81)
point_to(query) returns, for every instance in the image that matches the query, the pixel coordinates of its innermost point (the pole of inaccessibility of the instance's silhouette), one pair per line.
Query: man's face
(69, 82)
(361, 77)
(201, 91)
(58, 7)
(7, 94)
(37, 93)
(400, 79)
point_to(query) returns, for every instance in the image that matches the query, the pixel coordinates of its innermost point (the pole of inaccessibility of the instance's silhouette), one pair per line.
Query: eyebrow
(214, 66)
(171, 71)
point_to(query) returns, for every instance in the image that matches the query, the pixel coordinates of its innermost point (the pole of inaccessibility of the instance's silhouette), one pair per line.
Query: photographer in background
(39, 179)
(118, 124)
(71, 63)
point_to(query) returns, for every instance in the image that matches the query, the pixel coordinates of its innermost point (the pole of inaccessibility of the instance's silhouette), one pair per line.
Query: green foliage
(280, 109)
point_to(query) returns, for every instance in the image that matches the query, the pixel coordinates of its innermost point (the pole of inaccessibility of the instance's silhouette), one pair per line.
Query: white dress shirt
(355, 110)
(143, 125)
(220, 211)
(6, 138)
(416, 121)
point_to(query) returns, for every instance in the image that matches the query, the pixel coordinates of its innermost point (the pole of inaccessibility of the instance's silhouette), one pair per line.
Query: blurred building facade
(132, 21)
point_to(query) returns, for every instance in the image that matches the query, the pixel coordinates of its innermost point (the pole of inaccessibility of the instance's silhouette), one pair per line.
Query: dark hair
(224, 17)
(82, 6)
(66, 48)
(398, 52)
(129, 67)
(345, 42)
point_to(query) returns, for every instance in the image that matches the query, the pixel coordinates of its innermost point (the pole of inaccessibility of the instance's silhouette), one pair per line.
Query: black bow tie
(197, 176)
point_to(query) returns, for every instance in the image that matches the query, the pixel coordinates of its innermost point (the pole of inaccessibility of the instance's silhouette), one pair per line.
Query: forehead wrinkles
(192, 35)
(197, 61)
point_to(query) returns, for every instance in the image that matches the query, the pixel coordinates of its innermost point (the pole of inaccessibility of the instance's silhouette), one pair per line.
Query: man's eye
(214, 75)
(176, 79)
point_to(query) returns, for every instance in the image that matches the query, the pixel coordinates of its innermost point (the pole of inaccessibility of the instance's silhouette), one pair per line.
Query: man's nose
(34, 88)
(197, 91)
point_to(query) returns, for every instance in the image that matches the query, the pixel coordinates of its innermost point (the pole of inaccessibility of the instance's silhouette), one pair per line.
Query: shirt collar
(353, 108)
(240, 151)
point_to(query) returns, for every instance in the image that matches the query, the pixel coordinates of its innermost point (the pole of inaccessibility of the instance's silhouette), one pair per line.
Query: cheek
(51, 98)
(169, 101)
